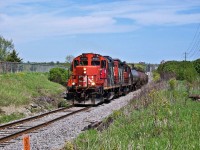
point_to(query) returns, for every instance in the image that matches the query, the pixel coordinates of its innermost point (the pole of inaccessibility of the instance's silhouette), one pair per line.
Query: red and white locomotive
(96, 78)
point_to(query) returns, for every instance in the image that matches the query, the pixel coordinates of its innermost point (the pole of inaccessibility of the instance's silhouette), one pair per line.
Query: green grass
(8, 118)
(20, 88)
(170, 121)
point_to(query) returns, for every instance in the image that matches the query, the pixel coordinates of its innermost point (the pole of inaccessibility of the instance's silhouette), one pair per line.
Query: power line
(197, 54)
(196, 49)
(197, 34)
(194, 46)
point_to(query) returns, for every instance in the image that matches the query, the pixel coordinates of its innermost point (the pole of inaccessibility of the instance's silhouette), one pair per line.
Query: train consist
(96, 78)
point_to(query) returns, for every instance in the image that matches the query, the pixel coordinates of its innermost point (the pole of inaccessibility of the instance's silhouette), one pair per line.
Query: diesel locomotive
(96, 79)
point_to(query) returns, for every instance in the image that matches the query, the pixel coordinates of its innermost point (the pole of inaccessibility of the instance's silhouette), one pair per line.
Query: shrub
(63, 103)
(58, 75)
(156, 76)
(172, 84)
(197, 65)
(184, 70)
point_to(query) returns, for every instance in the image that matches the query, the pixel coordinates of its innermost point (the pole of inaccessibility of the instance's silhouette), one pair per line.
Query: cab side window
(76, 63)
(103, 64)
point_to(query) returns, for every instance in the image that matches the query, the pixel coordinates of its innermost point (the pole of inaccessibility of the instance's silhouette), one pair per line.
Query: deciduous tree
(69, 58)
(7, 51)
(5, 47)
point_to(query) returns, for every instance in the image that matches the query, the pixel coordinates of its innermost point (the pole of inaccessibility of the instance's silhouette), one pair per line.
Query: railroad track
(15, 129)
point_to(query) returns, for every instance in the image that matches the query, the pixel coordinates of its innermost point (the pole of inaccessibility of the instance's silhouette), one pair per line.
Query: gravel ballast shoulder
(55, 135)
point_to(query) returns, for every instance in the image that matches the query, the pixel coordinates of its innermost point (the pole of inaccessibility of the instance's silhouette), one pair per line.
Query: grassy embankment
(161, 119)
(21, 89)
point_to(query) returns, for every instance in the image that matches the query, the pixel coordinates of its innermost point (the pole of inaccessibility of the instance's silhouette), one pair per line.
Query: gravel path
(54, 136)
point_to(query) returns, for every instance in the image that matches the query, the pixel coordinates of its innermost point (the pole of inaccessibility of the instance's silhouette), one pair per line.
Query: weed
(69, 146)
(63, 103)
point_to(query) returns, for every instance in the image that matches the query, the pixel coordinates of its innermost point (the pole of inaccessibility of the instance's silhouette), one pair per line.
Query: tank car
(139, 78)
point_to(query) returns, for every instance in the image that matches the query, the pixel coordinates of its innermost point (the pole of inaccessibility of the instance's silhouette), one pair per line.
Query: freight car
(96, 78)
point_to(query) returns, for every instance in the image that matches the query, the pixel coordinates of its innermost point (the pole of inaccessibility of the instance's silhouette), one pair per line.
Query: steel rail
(15, 135)
(32, 118)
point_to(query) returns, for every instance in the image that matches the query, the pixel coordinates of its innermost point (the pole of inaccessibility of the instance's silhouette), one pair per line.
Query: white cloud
(38, 19)
(151, 13)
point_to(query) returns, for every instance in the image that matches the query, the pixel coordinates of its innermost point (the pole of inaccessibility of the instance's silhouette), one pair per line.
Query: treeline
(138, 66)
(184, 70)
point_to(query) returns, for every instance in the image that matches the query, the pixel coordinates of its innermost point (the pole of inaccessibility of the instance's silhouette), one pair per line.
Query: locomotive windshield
(95, 63)
(84, 61)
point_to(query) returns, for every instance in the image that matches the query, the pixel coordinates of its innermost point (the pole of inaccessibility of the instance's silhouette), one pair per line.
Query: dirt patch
(37, 105)
(13, 109)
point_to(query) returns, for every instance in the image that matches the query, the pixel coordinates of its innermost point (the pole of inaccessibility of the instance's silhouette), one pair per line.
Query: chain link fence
(13, 67)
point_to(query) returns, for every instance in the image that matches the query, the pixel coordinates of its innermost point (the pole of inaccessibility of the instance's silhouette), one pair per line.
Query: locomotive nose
(86, 75)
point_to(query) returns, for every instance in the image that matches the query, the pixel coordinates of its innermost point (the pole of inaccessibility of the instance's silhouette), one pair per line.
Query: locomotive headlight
(73, 83)
(84, 69)
(93, 84)
(84, 72)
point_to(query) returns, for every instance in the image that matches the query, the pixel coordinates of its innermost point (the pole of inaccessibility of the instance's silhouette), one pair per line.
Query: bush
(184, 70)
(197, 65)
(156, 76)
(172, 84)
(63, 103)
(58, 75)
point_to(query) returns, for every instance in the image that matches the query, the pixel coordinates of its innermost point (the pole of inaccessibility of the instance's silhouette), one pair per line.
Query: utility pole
(185, 56)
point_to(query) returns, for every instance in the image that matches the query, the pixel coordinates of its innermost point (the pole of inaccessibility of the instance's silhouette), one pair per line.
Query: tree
(13, 57)
(69, 58)
(5, 47)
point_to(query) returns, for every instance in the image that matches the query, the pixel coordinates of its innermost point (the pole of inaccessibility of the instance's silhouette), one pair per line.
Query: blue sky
(131, 30)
